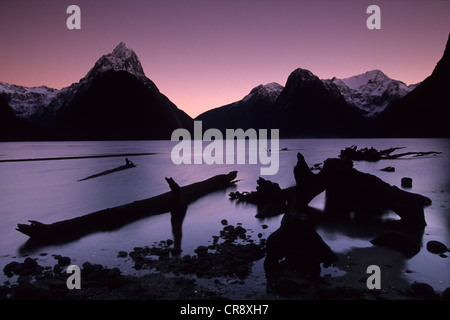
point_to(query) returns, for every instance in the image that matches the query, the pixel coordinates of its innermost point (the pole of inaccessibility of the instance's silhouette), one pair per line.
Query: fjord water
(49, 191)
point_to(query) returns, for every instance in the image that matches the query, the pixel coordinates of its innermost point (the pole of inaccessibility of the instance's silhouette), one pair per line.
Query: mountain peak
(302, 73)
(442, 68)
(301, 79)
(122, 58)
(270, 91)
(373, 76)
(121, 50)
(371, 91)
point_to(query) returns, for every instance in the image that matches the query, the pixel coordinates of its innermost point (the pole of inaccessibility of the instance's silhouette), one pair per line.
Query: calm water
(48, 191)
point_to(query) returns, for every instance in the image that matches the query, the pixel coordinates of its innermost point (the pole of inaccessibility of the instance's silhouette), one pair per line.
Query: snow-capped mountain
(307, 108)
(269, 92)
(303, 107)
(253, 111)
(122, 58)
(371, 92)
(40, 104)
(26, 101)
(115, 100)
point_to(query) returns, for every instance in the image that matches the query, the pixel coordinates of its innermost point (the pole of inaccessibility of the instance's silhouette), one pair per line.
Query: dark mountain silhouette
(119, 106)
(305, 108)
(425, 111)
(16, 129)
(114, 101)
(253, 111)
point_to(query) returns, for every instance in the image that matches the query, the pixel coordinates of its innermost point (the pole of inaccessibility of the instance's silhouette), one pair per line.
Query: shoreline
(211, 274)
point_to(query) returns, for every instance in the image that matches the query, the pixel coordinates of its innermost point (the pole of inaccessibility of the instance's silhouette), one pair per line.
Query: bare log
(113, 218)
(177, 213)
(348, 189)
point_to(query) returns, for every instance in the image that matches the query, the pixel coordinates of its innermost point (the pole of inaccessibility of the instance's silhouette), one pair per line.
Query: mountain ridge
(61, 105)
(370, 104)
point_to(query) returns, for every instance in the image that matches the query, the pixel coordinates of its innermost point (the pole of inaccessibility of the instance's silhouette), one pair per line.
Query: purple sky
(206, 53)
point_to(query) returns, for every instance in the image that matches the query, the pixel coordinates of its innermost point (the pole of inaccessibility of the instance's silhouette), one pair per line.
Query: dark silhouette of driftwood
(347, 190)
(371, 154)
(177, 213)
(113, 218)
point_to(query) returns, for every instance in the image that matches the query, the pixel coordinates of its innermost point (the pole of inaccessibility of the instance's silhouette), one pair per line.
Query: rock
(436, 247)
(424, 290)
(64, 261)
(4, 291)
(122, 254)
(446, 294)
(224, 222)
(57, 268)
(201, 251)
(113, 273)
(388, 169)
(11, 268)
(30, 263)
(91, 272)
(398, 241)
(287, 287)
(406, 182)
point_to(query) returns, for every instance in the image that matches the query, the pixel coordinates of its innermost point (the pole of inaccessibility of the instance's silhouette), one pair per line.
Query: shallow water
(49, 191)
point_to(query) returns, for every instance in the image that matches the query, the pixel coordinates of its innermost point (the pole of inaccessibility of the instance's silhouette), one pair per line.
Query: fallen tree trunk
(371, 154)
(113, 218)
(346, 189)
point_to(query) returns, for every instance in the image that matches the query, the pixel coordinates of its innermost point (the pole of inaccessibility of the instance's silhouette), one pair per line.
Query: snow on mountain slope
(26, 101)
(121, 59)
(270, 91)
(371, 91)
(43, 103)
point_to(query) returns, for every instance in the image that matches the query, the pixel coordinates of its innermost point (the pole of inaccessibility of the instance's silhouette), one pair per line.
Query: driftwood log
(347, 190)
(114, 218)
(269, 198)
(371, 154)
(177, 213)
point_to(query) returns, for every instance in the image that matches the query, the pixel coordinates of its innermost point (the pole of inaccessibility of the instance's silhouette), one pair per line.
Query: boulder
(437, 247)
(424, 290)
(398, 241)
(406, 182)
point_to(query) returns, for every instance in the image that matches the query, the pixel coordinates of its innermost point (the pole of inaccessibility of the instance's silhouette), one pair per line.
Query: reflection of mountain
(425, 112)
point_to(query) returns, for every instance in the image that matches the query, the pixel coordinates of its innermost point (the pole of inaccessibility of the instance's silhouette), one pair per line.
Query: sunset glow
(204, 54)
